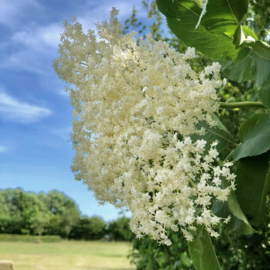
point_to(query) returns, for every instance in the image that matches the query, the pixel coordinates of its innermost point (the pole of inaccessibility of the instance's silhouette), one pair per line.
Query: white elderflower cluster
(135, 107)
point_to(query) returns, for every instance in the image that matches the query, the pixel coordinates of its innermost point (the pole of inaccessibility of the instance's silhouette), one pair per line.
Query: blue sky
(35, 115)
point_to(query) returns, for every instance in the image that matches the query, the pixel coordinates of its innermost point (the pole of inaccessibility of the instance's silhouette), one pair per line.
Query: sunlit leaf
(202, 251)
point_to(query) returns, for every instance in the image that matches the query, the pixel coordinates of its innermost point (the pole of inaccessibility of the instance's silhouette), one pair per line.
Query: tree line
(55, 213)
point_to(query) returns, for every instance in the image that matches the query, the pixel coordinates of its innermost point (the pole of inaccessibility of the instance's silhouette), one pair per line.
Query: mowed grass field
(67, 255)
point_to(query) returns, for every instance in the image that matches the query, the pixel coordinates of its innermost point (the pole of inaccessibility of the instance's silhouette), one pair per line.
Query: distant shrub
(148, 254)
(119, 230)
(29, 238)
(89, 228)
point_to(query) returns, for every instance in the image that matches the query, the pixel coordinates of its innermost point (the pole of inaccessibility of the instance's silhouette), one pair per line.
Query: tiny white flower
(228, 164)
(233, 187)
(217, 171)
(134, 113)
(227, 220)
(217, 181)
(215, 143)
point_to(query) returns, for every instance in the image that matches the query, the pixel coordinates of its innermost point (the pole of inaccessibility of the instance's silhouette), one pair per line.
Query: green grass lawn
(67, 255)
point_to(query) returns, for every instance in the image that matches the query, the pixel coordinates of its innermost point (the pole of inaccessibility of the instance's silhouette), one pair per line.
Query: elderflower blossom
(135, 107)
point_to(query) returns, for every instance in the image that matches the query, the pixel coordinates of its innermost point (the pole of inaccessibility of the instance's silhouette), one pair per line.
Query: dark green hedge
(29, 238)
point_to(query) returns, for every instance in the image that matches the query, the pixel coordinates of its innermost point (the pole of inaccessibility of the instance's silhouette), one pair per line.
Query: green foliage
(261, 62)
(255, 137)
(30, 213)
(64, 213)
(119, 230)
(132, 22)
(217, 133)
(29, 238)
(147, 254)
(39, 222)
(241, 35)
(240, 226)
(254, 63)
(232, 208)
(252, 194)
(264, 95)
(219, 36)
(240, 222)
(224, 16)
(260, 13)
(182, 18)
(20, 211)
(89, 228)
(243, 252)
(240, 70)
(53, 214)
(202, 252)
(154, 17)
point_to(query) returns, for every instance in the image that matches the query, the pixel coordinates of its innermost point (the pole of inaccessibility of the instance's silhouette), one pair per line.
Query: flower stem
(193, 184)
(246, 104)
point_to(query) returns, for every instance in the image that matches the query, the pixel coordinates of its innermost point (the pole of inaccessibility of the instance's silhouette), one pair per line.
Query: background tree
(64, 213)
(55, 214)
(119, 230)
(89, 228)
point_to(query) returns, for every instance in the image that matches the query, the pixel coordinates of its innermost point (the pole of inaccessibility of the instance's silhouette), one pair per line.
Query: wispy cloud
(34, 49)
(35, 45)
(11, 12)
(92, 13)
(18, 111)
(3, 149)
(39, 38)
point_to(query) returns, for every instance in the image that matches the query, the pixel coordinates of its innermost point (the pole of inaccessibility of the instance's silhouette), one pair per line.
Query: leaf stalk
(246, 104)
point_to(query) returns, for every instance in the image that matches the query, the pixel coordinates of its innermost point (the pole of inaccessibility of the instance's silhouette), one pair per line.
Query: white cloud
(12, 11)
(36, 44)
(36, 49)
(3, 149)
(39, 38)
(18, 111)
(99, 13)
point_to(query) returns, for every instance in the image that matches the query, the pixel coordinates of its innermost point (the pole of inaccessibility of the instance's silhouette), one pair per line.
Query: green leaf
(239, 71)
(241, 226)
(254, 65)
(261, 62)
(182, 17)
(255, 137)
(253, 182)
(224, 16)
(202, 251)
(218, 35)
(243, 35)
(248, 32)
(264, 95)
(185, 260)
(217, 133)
(239, 222)
(236, 210)
(239, 36)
